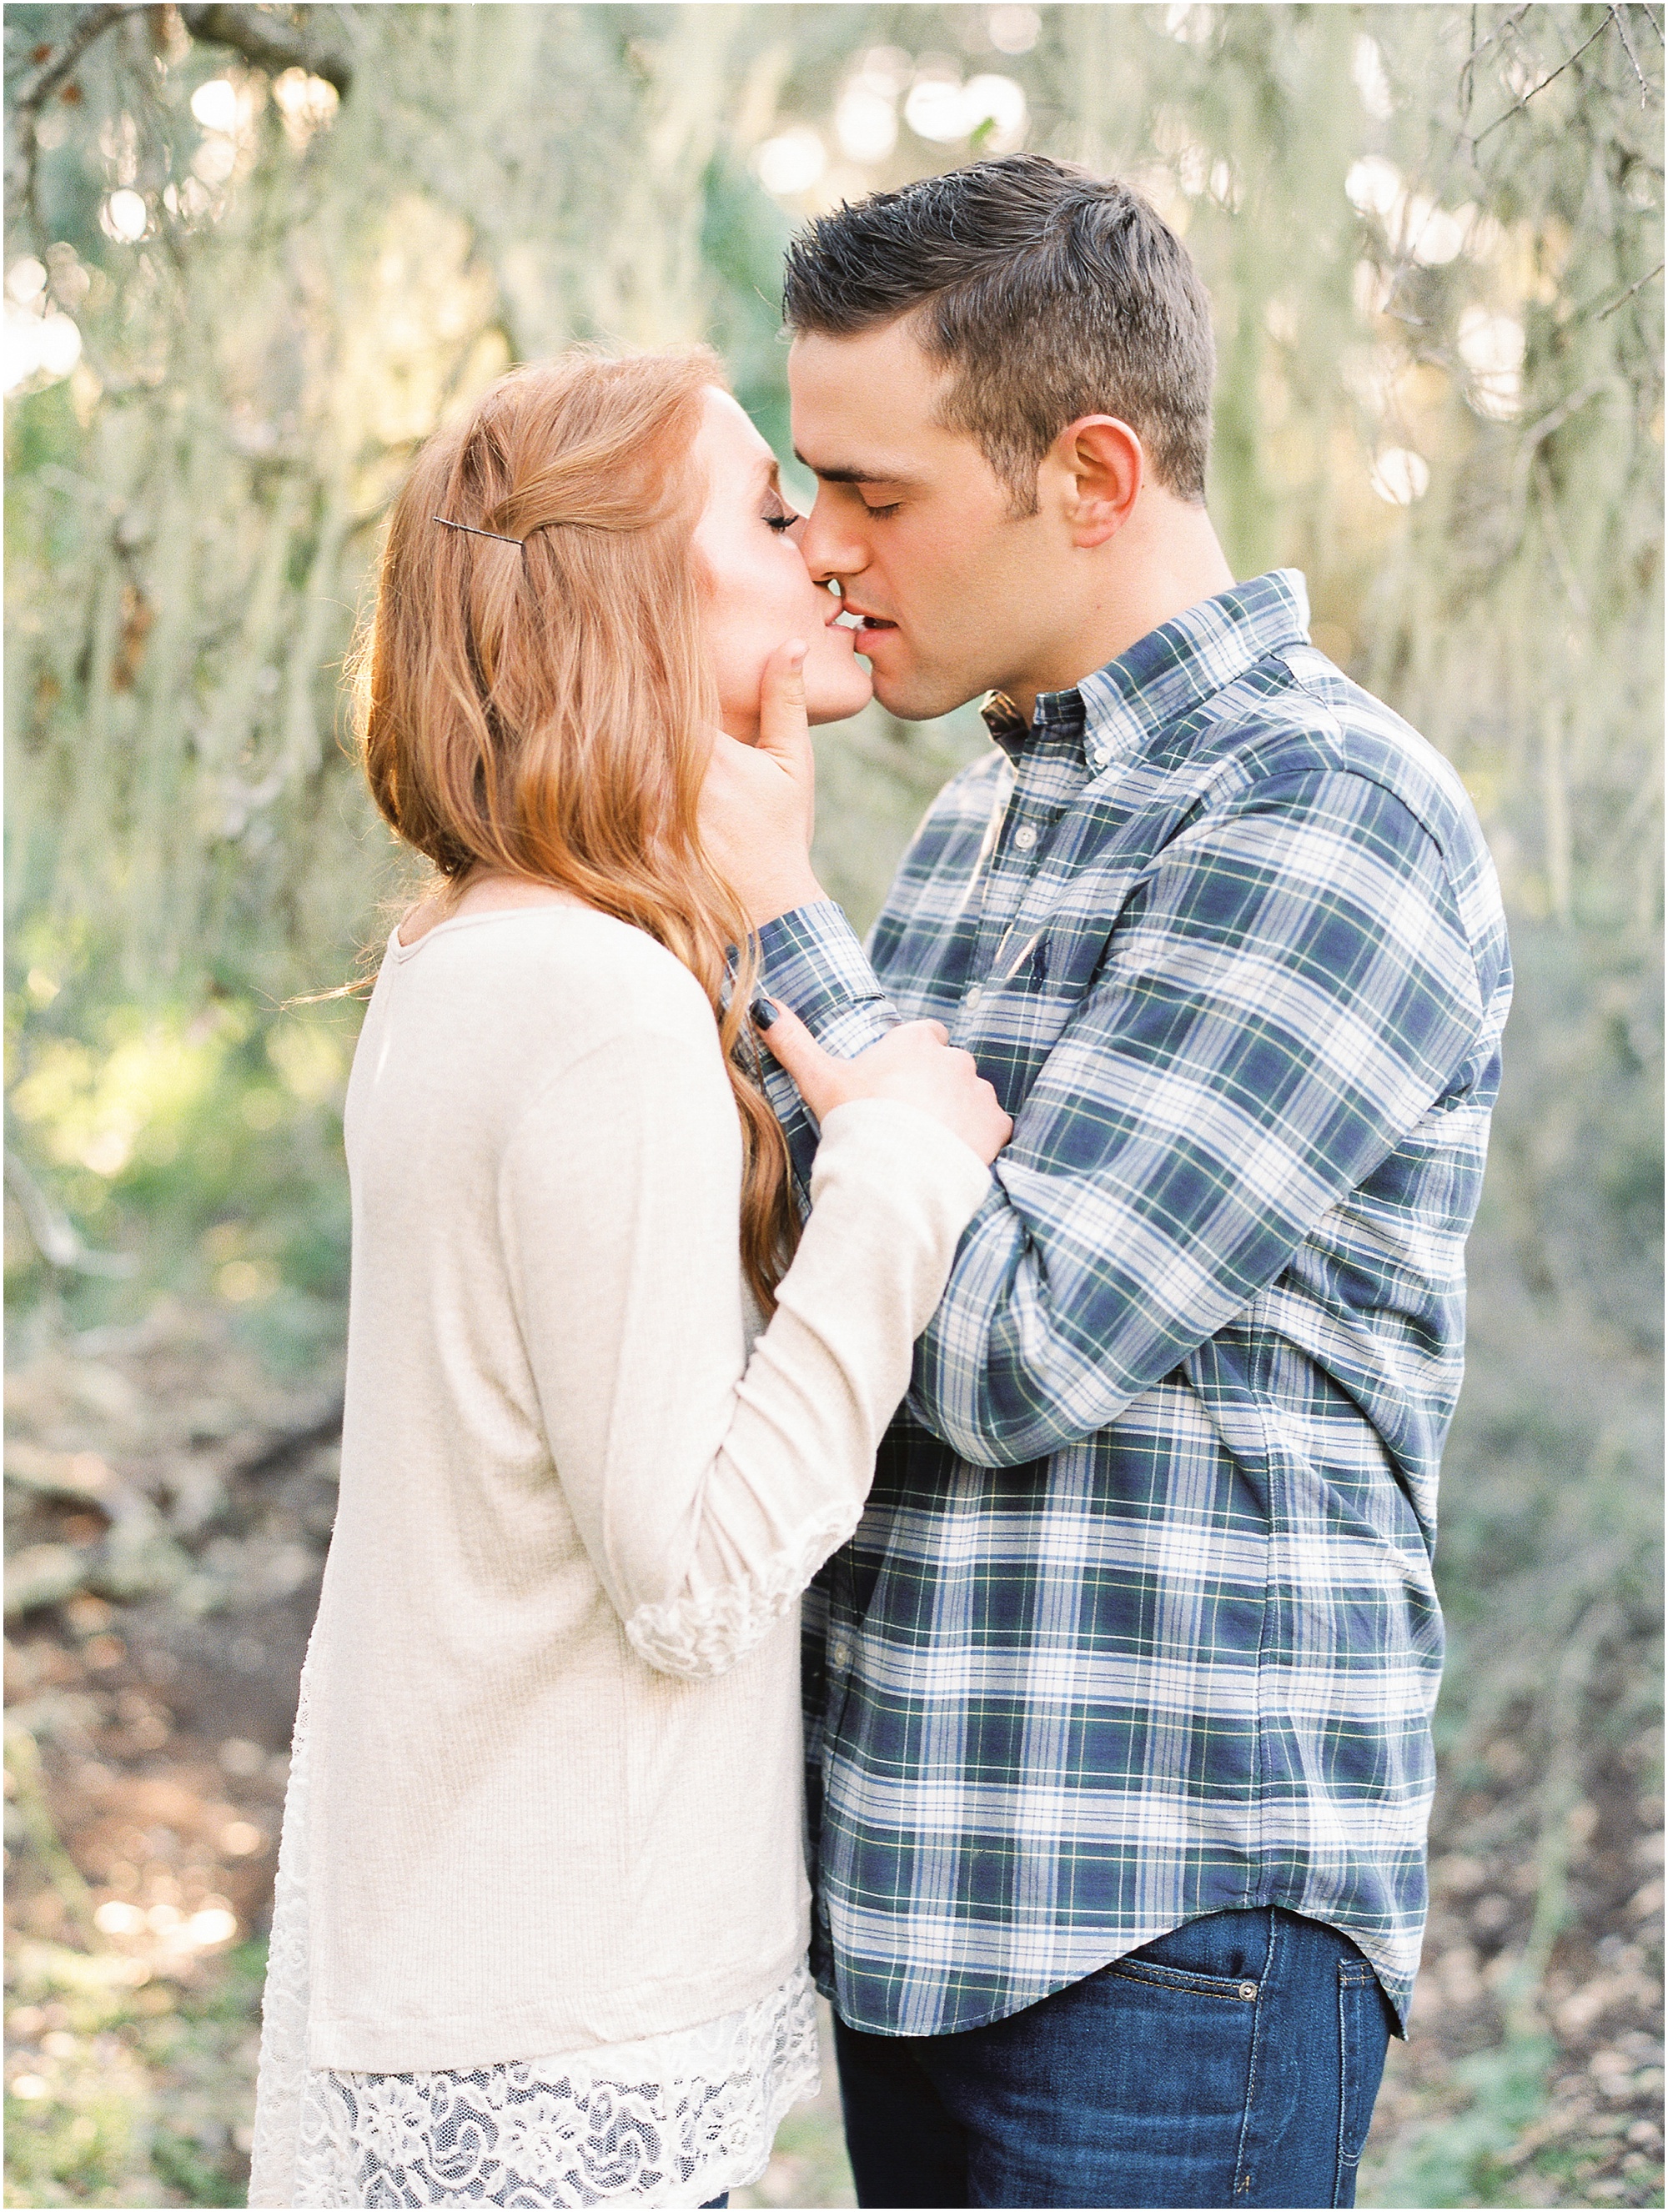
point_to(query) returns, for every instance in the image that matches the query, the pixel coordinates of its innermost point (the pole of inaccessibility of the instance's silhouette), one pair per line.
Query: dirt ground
(169, 1506)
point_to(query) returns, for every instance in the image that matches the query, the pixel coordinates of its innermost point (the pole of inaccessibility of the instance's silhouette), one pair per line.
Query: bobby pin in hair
(473, 533)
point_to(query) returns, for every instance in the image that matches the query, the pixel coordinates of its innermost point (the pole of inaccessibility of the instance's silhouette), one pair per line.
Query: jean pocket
(1237, 1991)
(1363, 2039)
(1219, 1954)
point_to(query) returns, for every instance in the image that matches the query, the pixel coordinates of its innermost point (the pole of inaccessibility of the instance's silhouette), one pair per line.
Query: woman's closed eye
(780, 518)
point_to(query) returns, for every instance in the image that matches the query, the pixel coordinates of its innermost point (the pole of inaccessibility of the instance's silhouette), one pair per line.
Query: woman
(541, 1917)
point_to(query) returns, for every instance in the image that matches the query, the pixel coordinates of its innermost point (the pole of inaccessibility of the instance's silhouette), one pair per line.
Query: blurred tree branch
(1628, 44)
(262, 37)
(1637, 286)
(1552, 77)
(266, 39)
(57, 69)
(57, 1238)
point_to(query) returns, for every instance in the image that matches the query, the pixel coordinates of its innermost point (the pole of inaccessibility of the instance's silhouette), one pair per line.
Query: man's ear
(1099, 469)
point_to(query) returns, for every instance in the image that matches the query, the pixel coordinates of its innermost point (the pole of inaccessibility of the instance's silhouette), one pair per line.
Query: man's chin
(918, 698)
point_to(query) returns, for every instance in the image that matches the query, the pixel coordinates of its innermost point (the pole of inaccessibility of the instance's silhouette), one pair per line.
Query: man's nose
(830, 548)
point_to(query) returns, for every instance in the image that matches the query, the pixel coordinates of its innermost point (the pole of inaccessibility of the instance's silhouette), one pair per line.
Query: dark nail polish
(763, 1012)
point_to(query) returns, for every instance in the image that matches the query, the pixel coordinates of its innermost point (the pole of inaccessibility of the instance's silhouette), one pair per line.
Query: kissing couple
(904, 1470)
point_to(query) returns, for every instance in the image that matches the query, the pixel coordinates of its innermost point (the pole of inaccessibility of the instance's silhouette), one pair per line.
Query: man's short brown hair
(1051, 292)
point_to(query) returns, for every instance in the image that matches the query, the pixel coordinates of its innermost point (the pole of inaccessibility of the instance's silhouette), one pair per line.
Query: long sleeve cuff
(813, 960)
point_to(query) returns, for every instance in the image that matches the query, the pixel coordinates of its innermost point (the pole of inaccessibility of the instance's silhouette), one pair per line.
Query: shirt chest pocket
(1036, 986)
(1044, 965)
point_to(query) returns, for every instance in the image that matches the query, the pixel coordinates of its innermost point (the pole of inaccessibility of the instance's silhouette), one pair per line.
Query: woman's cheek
(801, 598)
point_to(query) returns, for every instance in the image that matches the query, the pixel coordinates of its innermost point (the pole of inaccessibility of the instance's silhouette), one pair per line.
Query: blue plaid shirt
(1139, 1624)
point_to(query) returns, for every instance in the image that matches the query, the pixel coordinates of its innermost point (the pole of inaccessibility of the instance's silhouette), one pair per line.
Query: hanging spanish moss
(254, 254)
(1431, 242)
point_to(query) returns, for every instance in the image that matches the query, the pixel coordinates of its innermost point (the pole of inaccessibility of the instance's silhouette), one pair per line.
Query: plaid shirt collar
(1112, 714)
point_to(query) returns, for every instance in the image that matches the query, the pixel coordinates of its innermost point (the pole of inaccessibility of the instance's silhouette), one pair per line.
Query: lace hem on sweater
(557, 2132)
(705, 1634)
(670, 2120)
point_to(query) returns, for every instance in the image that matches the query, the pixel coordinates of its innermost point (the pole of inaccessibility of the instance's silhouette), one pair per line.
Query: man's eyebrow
(852, 476)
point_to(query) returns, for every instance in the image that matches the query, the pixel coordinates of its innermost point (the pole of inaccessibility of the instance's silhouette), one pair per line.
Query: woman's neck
(482, 894)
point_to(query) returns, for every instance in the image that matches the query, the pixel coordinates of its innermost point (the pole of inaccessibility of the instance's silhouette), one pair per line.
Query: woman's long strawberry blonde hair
(546, 710)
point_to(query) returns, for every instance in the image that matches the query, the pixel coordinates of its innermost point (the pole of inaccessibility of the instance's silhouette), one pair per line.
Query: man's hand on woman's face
(758, 802)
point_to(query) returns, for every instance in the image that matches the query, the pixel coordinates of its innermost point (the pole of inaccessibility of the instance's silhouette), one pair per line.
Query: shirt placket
(1049, 771)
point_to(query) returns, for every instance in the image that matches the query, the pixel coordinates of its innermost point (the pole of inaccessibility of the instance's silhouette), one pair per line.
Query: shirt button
(1248, 1991)
(975, 995)
(1025, 837)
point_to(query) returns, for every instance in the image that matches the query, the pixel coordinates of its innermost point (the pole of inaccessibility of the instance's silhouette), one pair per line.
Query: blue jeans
(1234, 2062)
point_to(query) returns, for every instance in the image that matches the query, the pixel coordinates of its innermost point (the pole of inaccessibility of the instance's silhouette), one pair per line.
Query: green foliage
(204, 1143)
(1433, 239)
(138, 2097)
(1460, 2162)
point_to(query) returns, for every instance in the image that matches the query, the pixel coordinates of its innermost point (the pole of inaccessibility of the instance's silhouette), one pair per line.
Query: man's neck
(1164, 562)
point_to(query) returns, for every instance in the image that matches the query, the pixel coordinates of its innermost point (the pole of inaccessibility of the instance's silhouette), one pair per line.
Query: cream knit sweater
(555, 1736)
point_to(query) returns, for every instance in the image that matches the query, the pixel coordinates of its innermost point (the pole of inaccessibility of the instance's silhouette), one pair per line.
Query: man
(1118, 1702)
